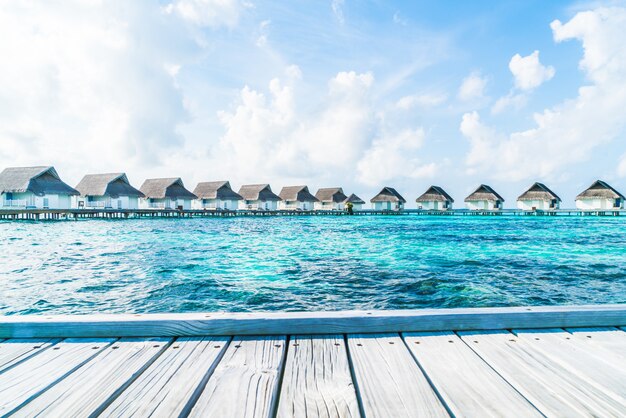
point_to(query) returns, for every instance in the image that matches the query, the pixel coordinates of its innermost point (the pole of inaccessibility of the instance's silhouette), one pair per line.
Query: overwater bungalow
(330, 198)
(296, 198)
(388, 199)
(107, 191)
(166, 193)
(357, 202)
(34, 188)
(258, 197)
(484, 198)
(435, 198)
(538, 197)
(216, 195)
(600, 195)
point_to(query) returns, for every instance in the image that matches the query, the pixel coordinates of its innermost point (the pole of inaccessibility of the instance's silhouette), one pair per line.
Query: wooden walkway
(76, 214)
(471, 369)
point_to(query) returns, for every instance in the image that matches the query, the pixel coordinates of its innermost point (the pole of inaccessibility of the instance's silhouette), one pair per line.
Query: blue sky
(358, 94)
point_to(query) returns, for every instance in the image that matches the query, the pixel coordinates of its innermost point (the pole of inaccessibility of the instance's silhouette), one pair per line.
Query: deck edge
(289, 323)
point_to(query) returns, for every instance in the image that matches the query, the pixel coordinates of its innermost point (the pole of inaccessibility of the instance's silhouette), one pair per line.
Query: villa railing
(161, 205)
(97, 205)
(294, 207)
(212, 206)
(14, 203)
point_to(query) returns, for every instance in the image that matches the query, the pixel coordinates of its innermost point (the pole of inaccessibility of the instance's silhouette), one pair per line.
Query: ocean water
(309, 263)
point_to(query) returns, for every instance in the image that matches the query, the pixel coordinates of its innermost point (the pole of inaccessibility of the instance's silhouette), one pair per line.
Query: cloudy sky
(358, 94)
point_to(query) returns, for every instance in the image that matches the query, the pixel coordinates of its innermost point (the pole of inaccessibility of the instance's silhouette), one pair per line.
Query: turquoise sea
(309, 263)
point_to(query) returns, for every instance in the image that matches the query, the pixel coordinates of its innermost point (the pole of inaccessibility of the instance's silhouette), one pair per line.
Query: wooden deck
(553, 361)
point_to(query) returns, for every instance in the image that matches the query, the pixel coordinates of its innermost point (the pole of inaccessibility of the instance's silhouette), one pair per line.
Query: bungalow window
(553, 203)
(9, 196)
(618, 202)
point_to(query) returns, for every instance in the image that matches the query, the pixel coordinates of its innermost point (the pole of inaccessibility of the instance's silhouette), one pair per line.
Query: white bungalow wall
(30, 200)
(166, 203)
(357, 206)
(17, 200)
(215, 204)
(293, 205)
(593, 204)
(184, 203)
(535, 204)
(258, 205)
(105, 202)
(329, 206)
(387, 205)
(482, 205)
(433, 205)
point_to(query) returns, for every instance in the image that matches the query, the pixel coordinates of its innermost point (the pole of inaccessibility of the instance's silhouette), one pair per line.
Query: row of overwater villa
(42, 188)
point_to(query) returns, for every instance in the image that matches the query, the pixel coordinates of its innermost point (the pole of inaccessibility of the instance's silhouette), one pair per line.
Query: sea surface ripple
(309, 263)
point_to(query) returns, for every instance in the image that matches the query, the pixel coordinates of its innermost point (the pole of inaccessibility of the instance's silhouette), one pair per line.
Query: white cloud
(511, 100)
(81, 90)
(294, 72)
(421, 100)
(351, 82)
(528, 72)
(472, 87)
(393, 157)
(261, 40)
(621, 167)
(399, 19)
(337, 7)
(272, 137)
(212, 13)
(272, 134)
(569, 132)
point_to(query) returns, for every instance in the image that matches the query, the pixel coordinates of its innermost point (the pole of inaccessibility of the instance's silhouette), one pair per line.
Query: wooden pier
(76, 214)
(531, 361)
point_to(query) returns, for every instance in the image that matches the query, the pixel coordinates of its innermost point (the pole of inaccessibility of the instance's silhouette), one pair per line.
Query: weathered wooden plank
(565, 340)
(471, 387)
(245, 382)
(25, 381)
(317, 382)
(16, 350)
(168, 387)
(554, 389)
(279, 323)
(91, 388)
(389, 381)
(611, 339)
(569, 353)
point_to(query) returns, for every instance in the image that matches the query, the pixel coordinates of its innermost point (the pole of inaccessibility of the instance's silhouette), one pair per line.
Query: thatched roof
(40, 180)
(484, 192)
(216, 190)
(539, 191)
(602, 190)
(354, 199)
(172, 188)
(261, 192)
(435, 194)
(388, 194)
(112, 184)
(297, 194)
(331, 195)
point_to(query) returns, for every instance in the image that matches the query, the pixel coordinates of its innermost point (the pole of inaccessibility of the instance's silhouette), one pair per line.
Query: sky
(359, 94)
